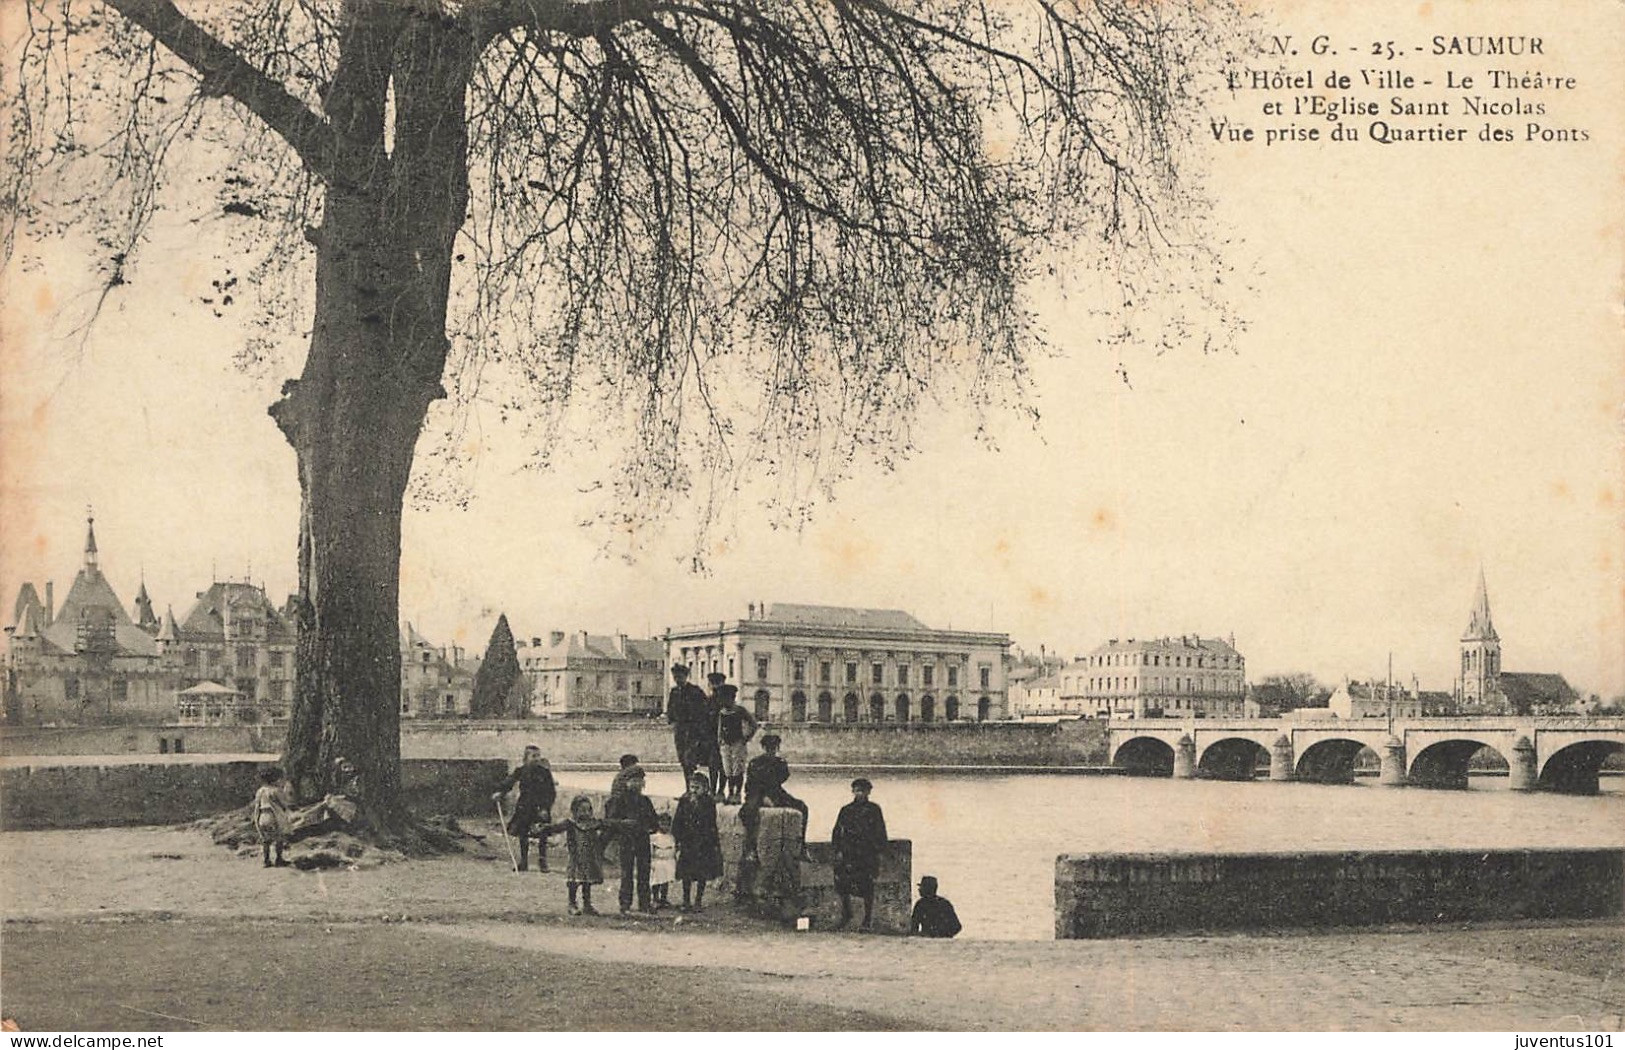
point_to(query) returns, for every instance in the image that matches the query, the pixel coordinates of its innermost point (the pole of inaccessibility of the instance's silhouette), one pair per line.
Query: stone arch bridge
(1551, 753)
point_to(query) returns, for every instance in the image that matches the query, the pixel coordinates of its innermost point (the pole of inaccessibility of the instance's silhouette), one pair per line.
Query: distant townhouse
(799, 663)
(231, 657)
(1170, 677)
(576, 672)
(437, 681)
(1354, 699)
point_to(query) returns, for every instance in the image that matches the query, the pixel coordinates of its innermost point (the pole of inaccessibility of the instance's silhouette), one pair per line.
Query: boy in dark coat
(859, 839)
(764, 784)
(633, 816)
(537, 793)
(933, 916)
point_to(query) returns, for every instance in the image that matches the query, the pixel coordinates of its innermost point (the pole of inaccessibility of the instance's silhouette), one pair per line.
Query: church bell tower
(1480, 651)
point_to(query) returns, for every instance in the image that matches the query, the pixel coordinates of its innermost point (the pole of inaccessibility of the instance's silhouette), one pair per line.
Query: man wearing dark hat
(688, 711)
(933, 916)
(859, 840)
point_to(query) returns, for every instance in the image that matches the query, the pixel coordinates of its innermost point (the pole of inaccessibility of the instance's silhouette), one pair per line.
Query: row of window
(598, 683)
(901, 672)
(1136, 659)
(1158, 683)
(195, 659)
(851, 709)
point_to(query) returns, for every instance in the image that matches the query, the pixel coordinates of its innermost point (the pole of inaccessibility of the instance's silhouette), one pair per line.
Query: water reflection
(992, 840)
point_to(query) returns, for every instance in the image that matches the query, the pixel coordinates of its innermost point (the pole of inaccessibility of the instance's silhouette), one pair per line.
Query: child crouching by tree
(583, 841)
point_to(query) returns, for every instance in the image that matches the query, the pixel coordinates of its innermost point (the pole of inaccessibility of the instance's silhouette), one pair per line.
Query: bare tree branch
(226, 73)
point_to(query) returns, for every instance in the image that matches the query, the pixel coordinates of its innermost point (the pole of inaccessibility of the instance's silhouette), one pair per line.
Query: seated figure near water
(933, 916)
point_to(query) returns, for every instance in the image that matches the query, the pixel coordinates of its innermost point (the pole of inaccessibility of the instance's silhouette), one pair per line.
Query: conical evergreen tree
(498, 674)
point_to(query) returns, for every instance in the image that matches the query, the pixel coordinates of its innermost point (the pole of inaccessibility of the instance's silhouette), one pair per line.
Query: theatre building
(822, 663)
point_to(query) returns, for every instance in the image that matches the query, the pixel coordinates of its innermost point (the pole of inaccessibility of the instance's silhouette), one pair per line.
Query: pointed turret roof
(90, 539)
(1479, 626)
(27, 597)
(144, 617)
(170, 631)
(29, 625)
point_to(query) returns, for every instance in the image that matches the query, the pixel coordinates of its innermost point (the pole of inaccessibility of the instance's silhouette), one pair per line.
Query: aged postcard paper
(982, 402)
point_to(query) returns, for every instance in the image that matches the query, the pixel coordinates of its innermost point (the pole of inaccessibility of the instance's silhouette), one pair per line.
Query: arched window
(849, 707)
(798, 707)
(761, 705)
(950, 709)
(984, 708)
(877, 708)
(928, 712)
(826, 707)
(902, 707)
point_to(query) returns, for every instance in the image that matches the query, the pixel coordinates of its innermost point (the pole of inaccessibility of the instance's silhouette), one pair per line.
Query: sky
(1430, 382)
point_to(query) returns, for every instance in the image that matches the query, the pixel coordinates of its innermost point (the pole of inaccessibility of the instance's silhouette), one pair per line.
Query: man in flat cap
(859, 839)
(688, 710)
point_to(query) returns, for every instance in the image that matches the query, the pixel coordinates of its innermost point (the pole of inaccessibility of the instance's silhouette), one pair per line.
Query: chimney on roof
(583, 639)
(555, 637)
(50, 602)
(621, 647)
(750, 611)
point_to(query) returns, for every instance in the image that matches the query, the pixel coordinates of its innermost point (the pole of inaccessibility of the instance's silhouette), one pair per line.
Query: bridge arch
(1330, 761)
(1573, 770)
(1145, 756)
(1232, 758)
(1444, 763)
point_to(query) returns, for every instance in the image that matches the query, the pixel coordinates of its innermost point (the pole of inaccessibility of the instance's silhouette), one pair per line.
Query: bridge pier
(1392, 773)
(1185, 758)
(1282, 761)
(1521, 774)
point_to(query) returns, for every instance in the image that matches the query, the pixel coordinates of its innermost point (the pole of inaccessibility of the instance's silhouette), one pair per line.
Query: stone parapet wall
(1115, 894)
(89, 795)
(140, 740)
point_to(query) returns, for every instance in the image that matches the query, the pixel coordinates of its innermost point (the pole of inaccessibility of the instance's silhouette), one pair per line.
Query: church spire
(90, 538)
(1479, 626)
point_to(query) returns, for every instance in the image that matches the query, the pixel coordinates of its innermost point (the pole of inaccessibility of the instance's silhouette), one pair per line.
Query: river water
(992, 839)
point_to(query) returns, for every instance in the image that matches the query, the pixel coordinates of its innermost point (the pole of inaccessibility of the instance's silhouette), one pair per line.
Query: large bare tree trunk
(353, 417)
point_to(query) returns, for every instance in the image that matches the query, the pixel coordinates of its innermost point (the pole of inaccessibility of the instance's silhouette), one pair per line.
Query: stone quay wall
(779, 885)
(170, 791)
(1116, 894)
(602, 743)
(805, 743)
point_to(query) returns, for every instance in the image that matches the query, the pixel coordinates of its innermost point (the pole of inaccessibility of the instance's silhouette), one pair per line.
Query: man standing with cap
(687, 710)
(859, 839)
(933, 916)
